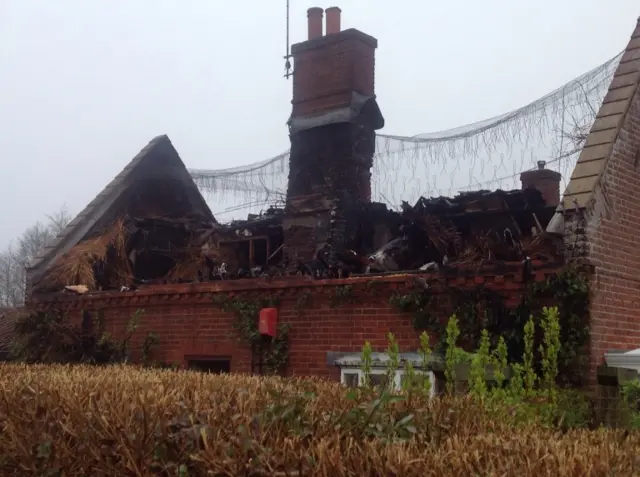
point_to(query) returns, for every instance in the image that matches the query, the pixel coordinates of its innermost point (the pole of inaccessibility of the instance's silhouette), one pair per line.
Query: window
(418, 379)
(213, 365)
(350, 379)
(351, 374)
(379, 379)
(354, 377)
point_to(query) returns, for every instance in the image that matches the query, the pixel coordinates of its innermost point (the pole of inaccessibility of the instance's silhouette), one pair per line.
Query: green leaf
(405, 420)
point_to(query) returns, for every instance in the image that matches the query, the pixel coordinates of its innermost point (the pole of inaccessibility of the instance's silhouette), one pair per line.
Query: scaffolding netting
(488, 154)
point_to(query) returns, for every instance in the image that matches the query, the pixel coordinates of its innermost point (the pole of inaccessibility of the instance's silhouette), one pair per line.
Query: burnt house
(149, 241)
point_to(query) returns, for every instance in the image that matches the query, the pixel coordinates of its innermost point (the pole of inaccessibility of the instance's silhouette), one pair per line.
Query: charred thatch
(202, 259)
(132, 251)
(86, 263)
(145, 250)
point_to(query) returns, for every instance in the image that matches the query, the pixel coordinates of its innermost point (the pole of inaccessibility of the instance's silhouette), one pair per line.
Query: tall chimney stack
(333, 20)
(314, 18)
(332, 128)
(545, 180)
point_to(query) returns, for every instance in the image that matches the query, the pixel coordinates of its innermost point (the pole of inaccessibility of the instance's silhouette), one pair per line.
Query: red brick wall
(612, 228)
(602, 218)
(188, 323)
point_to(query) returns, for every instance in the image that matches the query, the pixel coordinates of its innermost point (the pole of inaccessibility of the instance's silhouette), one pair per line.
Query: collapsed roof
(141, 247)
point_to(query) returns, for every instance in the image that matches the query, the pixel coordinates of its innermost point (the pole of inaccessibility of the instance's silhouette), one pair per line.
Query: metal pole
(287, 64)
(287, 28)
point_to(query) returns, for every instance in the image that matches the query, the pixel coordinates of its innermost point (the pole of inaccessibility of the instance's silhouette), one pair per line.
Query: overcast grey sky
(85, 84)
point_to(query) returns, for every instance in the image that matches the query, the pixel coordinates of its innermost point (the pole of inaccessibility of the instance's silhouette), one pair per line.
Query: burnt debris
(473, 229)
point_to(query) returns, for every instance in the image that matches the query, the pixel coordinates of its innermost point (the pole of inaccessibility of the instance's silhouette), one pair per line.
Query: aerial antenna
(287, 57)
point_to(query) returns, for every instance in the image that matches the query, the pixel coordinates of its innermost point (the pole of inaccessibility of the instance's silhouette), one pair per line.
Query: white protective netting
(488, 154)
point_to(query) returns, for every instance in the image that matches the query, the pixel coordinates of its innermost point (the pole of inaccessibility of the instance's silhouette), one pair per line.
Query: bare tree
(10, 274)
(15, 259)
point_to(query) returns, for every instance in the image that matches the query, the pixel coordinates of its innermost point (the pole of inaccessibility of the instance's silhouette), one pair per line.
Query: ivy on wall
(342, 295)
(482, 308)
(570, 291)
(48, 337)
(245, 325)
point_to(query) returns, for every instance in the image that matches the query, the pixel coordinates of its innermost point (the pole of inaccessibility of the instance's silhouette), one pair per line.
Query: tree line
(15, 259)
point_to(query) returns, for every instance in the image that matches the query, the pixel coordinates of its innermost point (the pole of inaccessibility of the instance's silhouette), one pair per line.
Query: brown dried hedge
(77, 421)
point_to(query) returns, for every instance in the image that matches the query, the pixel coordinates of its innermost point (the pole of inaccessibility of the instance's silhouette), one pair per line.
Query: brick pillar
(545, 180)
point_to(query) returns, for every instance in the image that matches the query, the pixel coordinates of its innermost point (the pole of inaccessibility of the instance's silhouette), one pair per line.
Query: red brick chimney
(332, 127)
(329, 69)
(545, 180)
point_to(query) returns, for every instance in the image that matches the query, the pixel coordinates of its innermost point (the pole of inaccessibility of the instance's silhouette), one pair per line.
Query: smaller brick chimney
(314, 17)
(333, 20)
(545, 180)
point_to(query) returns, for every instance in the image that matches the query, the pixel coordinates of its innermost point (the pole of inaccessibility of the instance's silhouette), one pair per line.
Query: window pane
(379, 380)
(350, 380)
(418, 380)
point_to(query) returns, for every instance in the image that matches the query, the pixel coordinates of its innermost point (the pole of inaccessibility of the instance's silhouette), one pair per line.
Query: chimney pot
(314, 16)
(333, 20)
(541, 164)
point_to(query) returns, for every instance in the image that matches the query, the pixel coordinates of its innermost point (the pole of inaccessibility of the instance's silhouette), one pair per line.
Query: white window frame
(397, 379)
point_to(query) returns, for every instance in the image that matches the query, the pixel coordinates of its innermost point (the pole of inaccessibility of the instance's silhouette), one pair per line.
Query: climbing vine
(342, 294)
(481, 308)
(245, 325)
(420, 304)
(148, 345)
(373, 287)
(569, 291)
(303, 301)
(48, 337)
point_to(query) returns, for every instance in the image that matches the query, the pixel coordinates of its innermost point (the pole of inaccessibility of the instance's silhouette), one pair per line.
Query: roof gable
(157, 159)
(606, 127)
